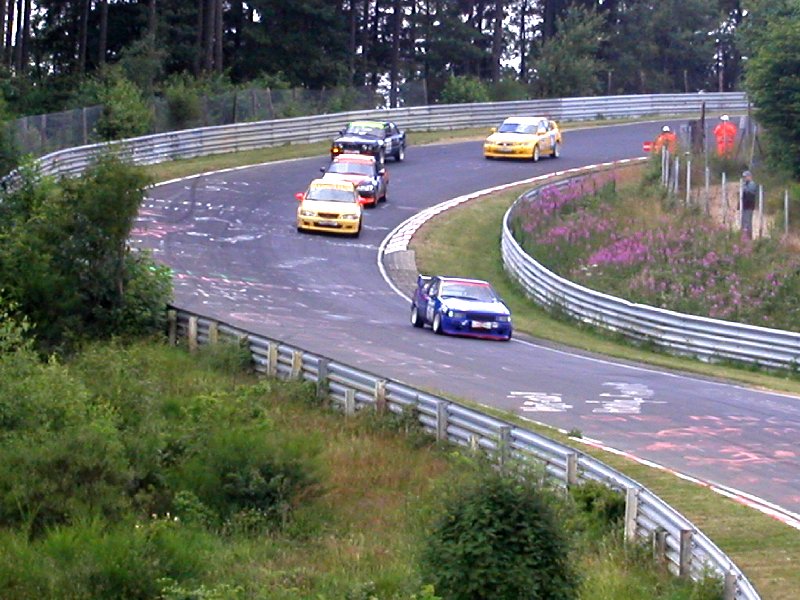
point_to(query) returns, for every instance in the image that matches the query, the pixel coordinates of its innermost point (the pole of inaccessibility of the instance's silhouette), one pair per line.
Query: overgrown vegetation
(142, 471)
(64, 261)
(633, 241)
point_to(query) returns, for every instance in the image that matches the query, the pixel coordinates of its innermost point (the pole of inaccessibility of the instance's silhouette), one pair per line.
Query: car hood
(353, 178)
(331, 207)
(497, 138)
(462, 305)
(358, 139)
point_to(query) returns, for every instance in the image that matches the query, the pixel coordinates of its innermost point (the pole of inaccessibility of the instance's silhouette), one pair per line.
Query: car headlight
(455, 314)
(350, 217)
(504, 319)
(307, 213)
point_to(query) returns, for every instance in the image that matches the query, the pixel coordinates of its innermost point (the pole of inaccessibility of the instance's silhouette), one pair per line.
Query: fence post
(213, 332)
(504, 444)
(572, 468)
(664, 167)
(272, 359)
(441, 420)
(688, 178)
(685, 552)
(631, 510)
(786, 212)
(660, 545)
(676, 176)
(760, 211)
(297, 364)
(322, 378)
(192, 334)
(729, 586)
(172, 326)
(707, 188)
(724, 199)
(380, 396)
(349, 402)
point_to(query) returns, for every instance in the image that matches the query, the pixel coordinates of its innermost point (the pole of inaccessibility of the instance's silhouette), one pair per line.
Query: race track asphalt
(231, 241)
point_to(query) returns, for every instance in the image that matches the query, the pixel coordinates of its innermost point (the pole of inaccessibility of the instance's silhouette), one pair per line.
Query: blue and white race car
(459, 306)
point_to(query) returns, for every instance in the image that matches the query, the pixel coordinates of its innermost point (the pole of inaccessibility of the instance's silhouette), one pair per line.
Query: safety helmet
(724, 118)
(665, 128)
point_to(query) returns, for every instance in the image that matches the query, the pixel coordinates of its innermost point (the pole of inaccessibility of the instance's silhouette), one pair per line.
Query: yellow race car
(524, 137)
(329, 206)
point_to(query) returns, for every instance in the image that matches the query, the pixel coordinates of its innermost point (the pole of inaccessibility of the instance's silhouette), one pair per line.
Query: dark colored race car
(378, 138)
(459, 306)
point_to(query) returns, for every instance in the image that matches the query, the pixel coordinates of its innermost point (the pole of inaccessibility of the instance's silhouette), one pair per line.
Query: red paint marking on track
(759, 504)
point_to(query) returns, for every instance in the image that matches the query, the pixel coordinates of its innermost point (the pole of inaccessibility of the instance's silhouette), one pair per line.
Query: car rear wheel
(556, 150)
(437, 324)
(536, 153)
(416, 318)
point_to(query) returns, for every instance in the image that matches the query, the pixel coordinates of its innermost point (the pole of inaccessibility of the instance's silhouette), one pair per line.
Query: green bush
(183, 102)
(600, 509)
(498, 537)
(126, 114)
(463, 90)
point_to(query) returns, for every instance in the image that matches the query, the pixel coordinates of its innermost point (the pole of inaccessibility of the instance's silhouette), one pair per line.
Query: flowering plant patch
(631, 242)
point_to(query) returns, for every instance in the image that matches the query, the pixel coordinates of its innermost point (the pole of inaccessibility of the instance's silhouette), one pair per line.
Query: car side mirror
(300, 196)
(493, 130)
(322, 169)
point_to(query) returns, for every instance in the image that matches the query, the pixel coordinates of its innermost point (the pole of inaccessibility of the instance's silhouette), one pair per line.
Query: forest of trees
(526, 47)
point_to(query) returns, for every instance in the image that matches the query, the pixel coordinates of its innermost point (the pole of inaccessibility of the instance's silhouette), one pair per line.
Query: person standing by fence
(666, 139)
(725, 134)
(749, 197)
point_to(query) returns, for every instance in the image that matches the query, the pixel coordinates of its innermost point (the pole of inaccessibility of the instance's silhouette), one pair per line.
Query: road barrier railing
(675, 541)
(192, 143)
(704, 338)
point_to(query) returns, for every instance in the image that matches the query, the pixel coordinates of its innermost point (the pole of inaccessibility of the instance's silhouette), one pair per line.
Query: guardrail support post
(272, 359)
(660, 545)
(213, 332)
(504, 445)
(441, 420)
(380, 396)
(685, 553)
(349, 402)
(729, 586)
(572, 469)
(631, 510)
(322, 379)
(297, 364)
(192, 334)
(172, 326)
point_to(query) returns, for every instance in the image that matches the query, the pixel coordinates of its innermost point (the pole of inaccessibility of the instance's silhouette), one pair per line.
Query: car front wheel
(536, 153)
(400, 155)
(416, 318)
(437, 324)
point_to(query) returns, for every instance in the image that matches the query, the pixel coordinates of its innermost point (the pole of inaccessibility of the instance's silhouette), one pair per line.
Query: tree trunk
(497, 40)
(82, 35)
(218, 31)
(102, 43)
(26, 37)
(395, 75)
(208, 35)
(18, 39)
(523, 43)
(365, 40)
(351, 63)
(152, 19)
(9, 56)
(2, 26)
(553, 9)
(197, 60)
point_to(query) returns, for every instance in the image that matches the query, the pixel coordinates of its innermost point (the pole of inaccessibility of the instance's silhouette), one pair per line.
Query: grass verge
(465, 241)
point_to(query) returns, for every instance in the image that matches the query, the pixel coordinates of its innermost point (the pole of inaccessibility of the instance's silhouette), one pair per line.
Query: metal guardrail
(704, 338)
(676, 542)
(191, 143)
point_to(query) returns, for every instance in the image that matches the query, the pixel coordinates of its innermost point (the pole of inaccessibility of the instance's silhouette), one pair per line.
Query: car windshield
(365, 130)
(517, 128)
(470, 291)
(352, 168)
(330, 195)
